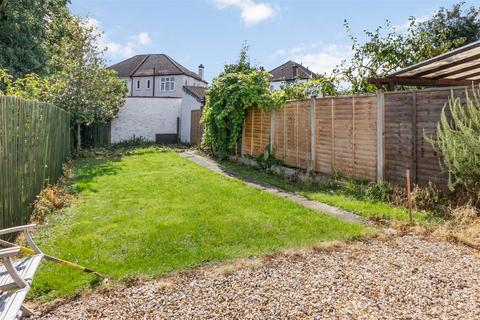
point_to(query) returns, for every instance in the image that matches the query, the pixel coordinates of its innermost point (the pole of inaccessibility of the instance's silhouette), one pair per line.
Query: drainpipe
(153, 92)
(131, 86)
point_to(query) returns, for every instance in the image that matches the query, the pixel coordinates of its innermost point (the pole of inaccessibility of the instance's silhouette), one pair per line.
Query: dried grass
(464, 226)
(53, 197)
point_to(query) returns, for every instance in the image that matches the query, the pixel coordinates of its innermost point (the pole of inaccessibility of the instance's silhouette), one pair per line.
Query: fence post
(272, 130)
(243, 139)
(380, 135)
(313, 151)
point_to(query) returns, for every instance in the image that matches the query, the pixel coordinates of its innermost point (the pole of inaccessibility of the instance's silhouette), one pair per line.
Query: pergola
(459, 67)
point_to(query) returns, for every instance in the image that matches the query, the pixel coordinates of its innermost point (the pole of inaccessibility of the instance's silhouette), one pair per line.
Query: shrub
(458, 141)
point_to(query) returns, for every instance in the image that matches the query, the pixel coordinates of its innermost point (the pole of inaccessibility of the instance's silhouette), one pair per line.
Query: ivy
(239, 88)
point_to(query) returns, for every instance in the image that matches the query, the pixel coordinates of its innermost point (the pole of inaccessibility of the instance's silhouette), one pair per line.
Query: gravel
(404, 277)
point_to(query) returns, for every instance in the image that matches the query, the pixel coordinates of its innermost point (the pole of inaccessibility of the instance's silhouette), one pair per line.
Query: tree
(461, 26)
(24, 27)
(239, 88)
(458, 141)
(387, 49)
(82, 84)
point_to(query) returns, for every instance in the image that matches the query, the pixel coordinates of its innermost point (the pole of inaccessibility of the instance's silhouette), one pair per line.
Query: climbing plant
(239, 88)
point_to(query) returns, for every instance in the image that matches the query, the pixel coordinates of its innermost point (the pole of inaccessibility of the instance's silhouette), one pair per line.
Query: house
(289, 72)
(161, 97)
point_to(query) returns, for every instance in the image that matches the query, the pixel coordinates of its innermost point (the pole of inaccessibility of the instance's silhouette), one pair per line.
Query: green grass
(151, 212)
(347, 198)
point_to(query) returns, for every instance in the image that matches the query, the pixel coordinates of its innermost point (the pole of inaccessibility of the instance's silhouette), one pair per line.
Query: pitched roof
(152, 64)
(286, 72)
(197, 92)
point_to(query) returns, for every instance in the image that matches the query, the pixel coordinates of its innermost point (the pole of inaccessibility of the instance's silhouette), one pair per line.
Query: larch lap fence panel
(34, 144)
(363, 136)
(343, 139)
(409, 117)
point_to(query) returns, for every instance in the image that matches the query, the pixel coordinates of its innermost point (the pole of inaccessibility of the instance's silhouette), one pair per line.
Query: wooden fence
(323, 134)
(34, 144)
(365, 136)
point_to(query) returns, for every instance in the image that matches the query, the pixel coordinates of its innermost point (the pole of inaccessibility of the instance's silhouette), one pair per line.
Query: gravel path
(405, 277)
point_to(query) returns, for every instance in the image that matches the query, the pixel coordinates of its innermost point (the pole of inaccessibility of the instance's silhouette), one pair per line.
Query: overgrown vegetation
(378, 201)
(239, 88)
(458, 142)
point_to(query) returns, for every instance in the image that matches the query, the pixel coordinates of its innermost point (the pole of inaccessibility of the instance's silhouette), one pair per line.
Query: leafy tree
(303, 90)
(24, 27)
(239, 88)
(461, 26)
(387, 49)
(458, 141)
(81, 84)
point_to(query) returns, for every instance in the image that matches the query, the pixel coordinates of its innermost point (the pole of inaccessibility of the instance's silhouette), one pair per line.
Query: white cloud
(251, 13)
(318, 56)
(144, 38)
(114, 49)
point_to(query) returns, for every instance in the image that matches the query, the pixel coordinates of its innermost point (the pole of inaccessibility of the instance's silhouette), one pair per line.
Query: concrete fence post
(313, 149)
(380, 135)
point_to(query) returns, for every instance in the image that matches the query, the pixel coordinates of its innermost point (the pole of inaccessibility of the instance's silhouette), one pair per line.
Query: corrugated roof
(150, 64)
(286, 72)
(457, 67)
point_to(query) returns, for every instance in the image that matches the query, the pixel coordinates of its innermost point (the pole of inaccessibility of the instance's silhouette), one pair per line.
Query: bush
(458, 142)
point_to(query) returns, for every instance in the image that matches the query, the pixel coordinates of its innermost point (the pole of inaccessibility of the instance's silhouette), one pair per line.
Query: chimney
(201, 70)
(295, 71)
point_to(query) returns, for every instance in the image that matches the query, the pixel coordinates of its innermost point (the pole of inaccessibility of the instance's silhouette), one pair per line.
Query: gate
(196, 130)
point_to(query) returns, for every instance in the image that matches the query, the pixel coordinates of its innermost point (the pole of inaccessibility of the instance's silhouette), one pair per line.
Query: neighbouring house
(162, 95)
(289, 72)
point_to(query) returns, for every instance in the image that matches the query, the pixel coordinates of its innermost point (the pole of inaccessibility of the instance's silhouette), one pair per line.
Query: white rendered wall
(145, 117)
(189, 103)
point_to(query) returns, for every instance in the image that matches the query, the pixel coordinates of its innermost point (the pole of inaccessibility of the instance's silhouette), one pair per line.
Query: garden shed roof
(458, 67)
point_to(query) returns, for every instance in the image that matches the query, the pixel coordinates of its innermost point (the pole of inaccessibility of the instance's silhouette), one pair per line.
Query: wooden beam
(446, 66)
(471, 75)
(413, 81)
(439, 58)
(452, 73)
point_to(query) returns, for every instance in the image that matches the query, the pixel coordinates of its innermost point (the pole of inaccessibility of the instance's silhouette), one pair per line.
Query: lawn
(153, 212)
(345, 198)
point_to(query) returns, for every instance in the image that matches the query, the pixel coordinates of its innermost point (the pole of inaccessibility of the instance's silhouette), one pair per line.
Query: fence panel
(409, 117)
(34, 143)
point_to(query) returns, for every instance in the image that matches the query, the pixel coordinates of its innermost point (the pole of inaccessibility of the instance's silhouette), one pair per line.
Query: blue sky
(212, 31)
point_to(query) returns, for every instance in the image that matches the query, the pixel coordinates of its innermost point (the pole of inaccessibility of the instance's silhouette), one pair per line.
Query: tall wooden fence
(34, 143)
(323, 134)
(365, 136)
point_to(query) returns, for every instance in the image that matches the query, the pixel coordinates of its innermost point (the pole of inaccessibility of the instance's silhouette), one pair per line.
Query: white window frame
(167, 84)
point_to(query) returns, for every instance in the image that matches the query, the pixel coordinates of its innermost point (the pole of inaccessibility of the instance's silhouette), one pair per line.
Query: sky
(211, 32)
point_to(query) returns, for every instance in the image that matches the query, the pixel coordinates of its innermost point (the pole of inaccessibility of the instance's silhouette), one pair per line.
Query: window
(138, 84)
(167, 84)
(186, 82)
(148, 84)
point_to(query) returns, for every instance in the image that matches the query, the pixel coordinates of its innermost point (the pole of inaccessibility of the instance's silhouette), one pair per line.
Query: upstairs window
(167, 84)
(138, 84)
(148, 84)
